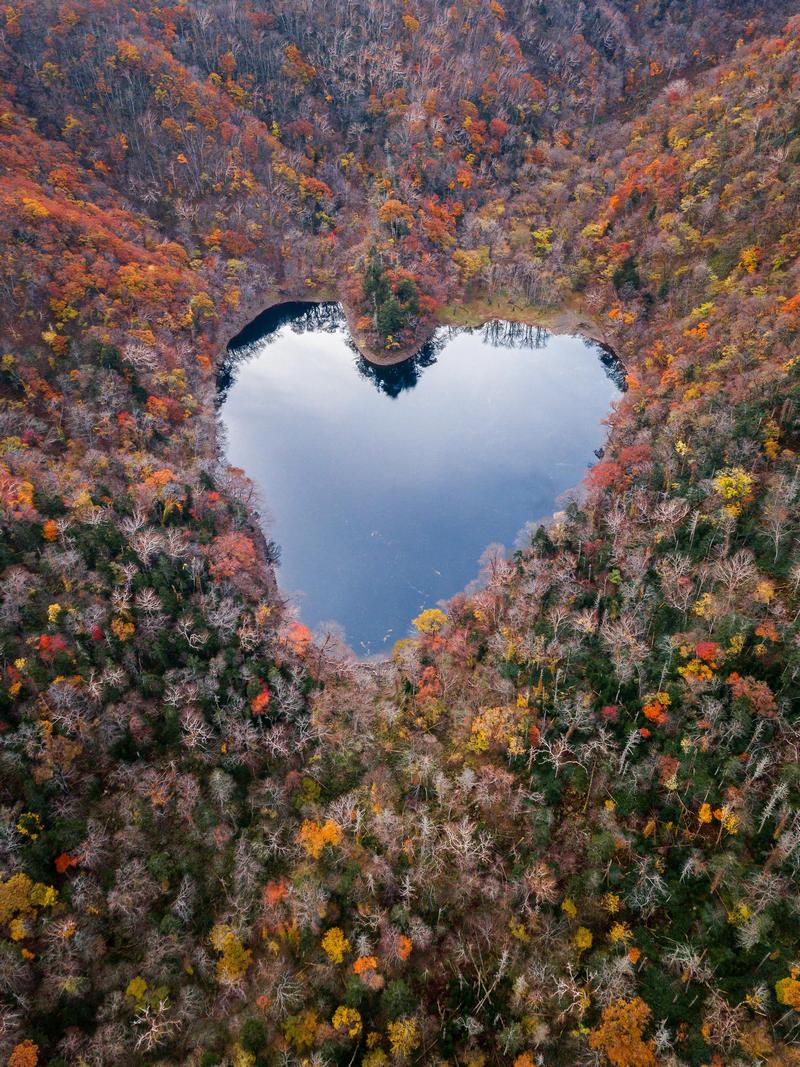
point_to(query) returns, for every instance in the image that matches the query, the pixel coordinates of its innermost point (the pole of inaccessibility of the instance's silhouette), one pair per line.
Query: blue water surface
(383, 487)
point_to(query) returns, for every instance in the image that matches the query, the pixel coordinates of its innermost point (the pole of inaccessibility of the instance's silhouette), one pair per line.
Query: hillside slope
(561, 825)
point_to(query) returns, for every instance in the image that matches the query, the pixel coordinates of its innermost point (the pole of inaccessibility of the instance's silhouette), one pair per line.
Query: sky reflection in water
(384, 487)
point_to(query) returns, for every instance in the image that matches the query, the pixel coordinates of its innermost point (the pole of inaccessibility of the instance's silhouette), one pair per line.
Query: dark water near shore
(385, 485)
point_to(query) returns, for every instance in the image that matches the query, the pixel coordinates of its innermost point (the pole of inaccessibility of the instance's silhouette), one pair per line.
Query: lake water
(385, 485)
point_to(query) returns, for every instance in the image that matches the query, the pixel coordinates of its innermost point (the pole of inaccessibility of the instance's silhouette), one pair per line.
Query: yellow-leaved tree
(619, 1035)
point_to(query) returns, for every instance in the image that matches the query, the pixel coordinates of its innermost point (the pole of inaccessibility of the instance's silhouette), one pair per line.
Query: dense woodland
(561, 824)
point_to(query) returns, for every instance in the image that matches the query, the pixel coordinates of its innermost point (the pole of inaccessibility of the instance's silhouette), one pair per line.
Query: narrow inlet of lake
(384, 486)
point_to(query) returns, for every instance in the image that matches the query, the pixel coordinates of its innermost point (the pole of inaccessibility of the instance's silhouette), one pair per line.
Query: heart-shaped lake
(383, 486)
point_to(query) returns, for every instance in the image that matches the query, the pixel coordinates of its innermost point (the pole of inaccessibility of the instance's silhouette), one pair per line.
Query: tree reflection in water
(396, 378)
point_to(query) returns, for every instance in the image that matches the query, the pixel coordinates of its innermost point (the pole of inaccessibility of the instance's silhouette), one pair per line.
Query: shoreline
(569, 319)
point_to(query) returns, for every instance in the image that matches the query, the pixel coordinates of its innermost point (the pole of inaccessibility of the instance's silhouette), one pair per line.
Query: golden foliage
(347, 1020)
(403, 1036)
(301, 1030)
(234, 959)
(14, 897)
(430, 621)
(619, 1036)
(787, 991)
(335, 945)
(314, 836)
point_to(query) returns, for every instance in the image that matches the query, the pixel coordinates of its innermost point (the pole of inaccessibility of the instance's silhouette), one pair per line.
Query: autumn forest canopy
(560, 823)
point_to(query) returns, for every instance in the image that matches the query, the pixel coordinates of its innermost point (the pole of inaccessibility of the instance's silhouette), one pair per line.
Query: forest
(560, 824)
